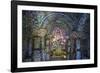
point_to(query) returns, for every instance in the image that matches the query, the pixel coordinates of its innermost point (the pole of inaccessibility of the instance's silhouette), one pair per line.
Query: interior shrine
(51, 36)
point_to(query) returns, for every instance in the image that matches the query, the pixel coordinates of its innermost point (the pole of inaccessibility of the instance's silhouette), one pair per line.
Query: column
(78, 52)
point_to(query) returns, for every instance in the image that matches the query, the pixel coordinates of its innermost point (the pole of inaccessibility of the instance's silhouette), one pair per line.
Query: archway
(54, 34)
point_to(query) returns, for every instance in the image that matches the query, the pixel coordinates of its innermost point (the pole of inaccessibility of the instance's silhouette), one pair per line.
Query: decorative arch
(57, 19)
